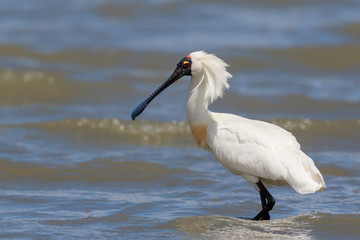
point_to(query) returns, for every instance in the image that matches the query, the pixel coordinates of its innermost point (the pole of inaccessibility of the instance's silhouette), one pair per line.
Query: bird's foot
(263, 215)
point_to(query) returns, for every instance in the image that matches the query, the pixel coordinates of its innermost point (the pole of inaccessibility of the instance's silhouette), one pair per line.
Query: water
(74, 166)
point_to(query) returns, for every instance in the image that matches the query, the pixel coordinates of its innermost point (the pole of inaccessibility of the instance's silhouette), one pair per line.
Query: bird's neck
(197, 107)
(198, 114)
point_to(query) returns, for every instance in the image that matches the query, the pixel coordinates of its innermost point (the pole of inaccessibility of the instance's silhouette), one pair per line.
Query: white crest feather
(214, 74)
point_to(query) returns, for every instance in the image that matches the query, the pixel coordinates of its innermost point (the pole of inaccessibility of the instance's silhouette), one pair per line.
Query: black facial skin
(183, 68)
(185, 65)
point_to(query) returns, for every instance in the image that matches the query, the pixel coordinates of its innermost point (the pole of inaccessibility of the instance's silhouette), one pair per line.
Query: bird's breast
(199, 133)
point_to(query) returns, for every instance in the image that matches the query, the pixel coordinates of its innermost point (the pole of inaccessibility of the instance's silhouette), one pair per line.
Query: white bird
(262, 153)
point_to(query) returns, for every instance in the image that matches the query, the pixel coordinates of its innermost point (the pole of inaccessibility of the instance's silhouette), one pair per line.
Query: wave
(115, 131)
(33, 87)
(329, 134)
(96, 170)
(299, 227)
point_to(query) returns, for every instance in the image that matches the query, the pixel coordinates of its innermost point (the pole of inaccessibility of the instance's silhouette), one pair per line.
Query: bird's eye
(186, 64)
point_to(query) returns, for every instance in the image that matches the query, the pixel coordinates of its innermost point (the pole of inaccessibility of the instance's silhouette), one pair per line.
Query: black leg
(263, 199)
(266, 215)
(267, 202)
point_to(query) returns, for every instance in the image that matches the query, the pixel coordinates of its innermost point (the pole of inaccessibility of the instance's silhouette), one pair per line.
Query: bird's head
(201, 66)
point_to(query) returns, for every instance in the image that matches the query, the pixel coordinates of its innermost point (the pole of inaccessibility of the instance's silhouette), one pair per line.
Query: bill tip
(133, 116)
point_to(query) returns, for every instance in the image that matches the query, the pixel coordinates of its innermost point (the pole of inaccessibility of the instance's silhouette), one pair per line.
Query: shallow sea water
(74, 166)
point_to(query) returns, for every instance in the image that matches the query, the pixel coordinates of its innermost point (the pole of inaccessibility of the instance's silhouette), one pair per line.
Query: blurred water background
(74, 166)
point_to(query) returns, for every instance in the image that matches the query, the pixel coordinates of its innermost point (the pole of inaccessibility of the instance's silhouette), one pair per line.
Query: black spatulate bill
(183, 68)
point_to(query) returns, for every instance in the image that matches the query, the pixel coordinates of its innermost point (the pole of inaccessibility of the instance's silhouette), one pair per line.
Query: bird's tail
(306, 178)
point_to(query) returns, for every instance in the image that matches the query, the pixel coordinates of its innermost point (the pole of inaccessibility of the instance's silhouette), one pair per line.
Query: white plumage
(261, 152)
(253, 149)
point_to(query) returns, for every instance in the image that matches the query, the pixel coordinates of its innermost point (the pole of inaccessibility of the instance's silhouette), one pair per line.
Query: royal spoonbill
(262, 153)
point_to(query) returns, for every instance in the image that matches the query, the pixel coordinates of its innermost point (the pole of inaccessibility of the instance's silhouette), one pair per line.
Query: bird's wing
(260, 149)
(262, 133)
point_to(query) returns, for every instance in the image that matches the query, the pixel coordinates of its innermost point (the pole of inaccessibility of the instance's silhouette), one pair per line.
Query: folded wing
(262, 151)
